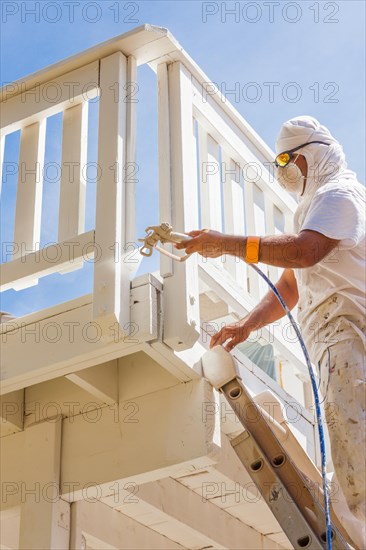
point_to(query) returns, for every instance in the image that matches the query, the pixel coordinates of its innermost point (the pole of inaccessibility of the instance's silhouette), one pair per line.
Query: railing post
(165, 190)
(111, 293)
(178, 202)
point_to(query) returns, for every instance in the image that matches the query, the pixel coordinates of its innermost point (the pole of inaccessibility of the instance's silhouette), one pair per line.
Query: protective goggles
(283, 159)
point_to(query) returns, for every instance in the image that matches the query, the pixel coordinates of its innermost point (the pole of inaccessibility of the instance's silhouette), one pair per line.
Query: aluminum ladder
(292, 495)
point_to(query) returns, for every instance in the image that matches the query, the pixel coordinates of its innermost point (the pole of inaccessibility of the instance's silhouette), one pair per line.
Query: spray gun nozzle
(165, 234)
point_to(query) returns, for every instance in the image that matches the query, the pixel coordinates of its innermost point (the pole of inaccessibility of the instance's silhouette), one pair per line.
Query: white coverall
(332, 298)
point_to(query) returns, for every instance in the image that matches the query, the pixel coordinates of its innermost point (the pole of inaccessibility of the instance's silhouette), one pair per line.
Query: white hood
(325, 162)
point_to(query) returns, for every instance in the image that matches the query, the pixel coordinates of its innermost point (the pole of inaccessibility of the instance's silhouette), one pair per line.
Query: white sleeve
(338, 214)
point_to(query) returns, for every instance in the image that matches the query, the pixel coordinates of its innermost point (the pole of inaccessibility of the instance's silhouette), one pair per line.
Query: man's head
(304, 151)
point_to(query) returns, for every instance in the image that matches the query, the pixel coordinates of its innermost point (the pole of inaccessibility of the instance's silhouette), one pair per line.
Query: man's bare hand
(206, 242)
(235, 333)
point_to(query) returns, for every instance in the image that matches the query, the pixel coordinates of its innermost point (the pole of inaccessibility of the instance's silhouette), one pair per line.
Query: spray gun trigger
(164, 234)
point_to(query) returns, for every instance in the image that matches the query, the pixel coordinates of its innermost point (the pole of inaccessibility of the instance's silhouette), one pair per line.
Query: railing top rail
(129, 43)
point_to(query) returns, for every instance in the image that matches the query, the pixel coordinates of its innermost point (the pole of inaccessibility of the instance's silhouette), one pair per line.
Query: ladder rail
(275, 493)
(271, 459)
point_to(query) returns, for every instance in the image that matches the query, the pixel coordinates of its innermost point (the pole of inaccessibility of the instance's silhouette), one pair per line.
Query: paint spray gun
(165, 234)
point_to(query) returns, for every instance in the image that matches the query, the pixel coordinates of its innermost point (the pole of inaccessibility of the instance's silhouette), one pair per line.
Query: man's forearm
(277, 250)
(269, 308)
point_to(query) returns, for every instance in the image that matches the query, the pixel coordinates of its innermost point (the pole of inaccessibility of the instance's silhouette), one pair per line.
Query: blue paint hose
(167, 228)
(317, 403)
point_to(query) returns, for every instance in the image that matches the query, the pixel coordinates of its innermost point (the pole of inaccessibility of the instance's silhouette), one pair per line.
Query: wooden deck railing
(214, 171)
(28, 111)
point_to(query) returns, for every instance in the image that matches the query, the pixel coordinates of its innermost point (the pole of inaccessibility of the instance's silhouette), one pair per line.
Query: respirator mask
(288, 174)
(290, 178)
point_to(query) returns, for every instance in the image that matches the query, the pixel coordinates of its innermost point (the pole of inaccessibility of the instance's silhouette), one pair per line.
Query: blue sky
(311, 52)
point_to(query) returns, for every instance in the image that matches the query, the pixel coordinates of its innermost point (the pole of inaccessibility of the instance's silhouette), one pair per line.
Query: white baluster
(234, 216)
(251, 231)
(27, 229)
(289, 223)
(196, 177)
(260, 224)
(73, 184)
(279, 227)
(270, 208)
(204, 205)
(214, 183)
(210, 182)
(289, 229)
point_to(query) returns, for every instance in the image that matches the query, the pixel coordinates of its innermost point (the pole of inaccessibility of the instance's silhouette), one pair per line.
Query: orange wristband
(252, 250)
